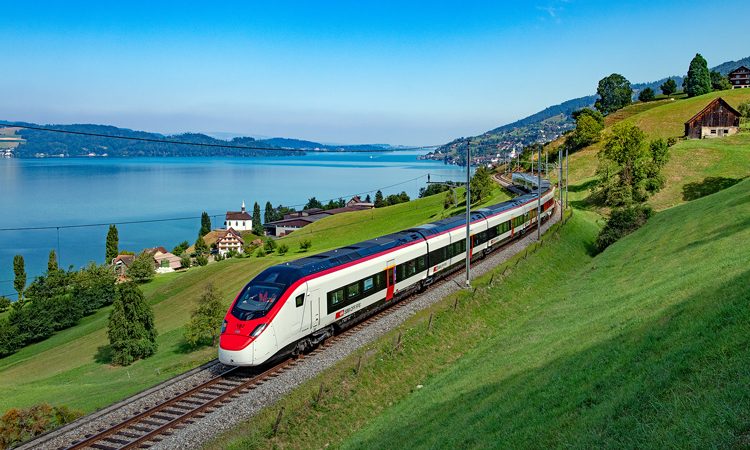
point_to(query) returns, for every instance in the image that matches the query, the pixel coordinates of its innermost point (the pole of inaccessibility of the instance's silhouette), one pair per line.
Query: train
(292, 307)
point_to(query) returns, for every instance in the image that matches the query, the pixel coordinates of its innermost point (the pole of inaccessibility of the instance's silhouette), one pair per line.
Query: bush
(269, 245)
(671, 141)
(20, 425)
(185, 260)
(622, 222)
(201, 260)
(4, 304)
(206, 318)
(260, 253)
(218, 257)
(646, 95)
(282, 249)
(305, 245)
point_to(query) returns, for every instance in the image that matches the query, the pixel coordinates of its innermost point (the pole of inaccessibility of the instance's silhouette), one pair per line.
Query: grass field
(71, 367)
(646, 345)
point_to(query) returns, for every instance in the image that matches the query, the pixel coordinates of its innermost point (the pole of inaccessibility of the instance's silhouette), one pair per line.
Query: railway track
(150, 426)
(153, 424)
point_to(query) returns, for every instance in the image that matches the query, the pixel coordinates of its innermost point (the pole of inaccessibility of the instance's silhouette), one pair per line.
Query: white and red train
(292, 307)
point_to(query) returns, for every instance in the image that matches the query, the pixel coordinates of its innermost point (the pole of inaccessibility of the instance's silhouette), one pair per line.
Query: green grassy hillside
(71, 367)
(692, 161)
(646, 345)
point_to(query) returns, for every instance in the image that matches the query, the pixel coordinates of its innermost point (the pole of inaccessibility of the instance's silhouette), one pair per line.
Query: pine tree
(206, 318)
(19, 272)
(200, 246)
(268, 213)
(52, 261)
(367, 199)
(205, 224)
(257, 224)
(379, 203)
(131, 329)
(113, 243)
(698, 81)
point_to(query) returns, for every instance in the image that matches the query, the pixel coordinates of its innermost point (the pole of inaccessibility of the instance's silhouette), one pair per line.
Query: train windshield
(259, 296)
(256, 300)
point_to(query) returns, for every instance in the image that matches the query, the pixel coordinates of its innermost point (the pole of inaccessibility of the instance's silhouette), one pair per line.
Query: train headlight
(259, 329)
(224, 326)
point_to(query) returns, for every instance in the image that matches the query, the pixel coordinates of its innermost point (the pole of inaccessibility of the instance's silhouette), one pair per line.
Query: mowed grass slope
(645, 346)
(692, 161)
(71, 368)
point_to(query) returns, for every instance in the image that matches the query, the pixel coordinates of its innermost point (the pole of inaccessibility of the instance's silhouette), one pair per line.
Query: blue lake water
(58, 192)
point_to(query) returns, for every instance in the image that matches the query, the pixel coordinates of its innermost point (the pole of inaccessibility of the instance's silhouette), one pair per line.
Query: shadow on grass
(709, 185)
(585, 186)
(625, 391)
(103, 355)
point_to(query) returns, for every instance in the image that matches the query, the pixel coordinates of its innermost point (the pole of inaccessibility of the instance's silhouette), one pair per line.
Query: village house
(164, 261)
(120, 264)
(717, 119)
(229, 240)
(238, 220)
(739, 78)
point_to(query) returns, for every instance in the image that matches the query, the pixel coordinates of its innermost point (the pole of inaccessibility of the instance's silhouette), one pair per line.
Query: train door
(390, 279)
(313, 305)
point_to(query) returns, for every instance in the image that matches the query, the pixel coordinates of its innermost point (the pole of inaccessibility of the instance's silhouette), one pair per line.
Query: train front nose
(236, 350)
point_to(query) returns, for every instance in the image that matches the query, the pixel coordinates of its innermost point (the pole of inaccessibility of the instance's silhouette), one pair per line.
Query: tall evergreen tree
(205, 224)
(19, 279)
(367, 199)
(257, 224)
(698, 81)
(205, 320)
(131, 329)
(268, 213)
(113, 244)
(52, 261)
(379, 202)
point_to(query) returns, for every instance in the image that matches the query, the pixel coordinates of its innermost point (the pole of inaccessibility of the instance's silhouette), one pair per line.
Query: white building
(229, 240)
(238, 220)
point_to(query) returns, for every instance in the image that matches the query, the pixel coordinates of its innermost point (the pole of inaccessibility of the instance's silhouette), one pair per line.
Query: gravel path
(247, 405)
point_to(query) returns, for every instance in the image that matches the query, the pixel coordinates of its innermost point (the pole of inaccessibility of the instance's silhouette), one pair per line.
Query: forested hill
(548, 124)
(44, 143)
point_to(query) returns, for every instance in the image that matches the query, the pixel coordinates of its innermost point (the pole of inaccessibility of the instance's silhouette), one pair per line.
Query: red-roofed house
(228, 240)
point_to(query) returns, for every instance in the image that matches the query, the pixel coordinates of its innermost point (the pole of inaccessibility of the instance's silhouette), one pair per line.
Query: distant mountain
(46, 144)
(544, 126)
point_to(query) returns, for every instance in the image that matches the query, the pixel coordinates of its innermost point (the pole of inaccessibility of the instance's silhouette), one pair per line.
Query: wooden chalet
(717, 119)
(739, 78)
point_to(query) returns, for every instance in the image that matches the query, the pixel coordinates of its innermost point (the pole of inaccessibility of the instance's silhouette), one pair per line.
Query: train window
(421, 263)
(300, 300)
(380, 280)
(411, 268)
(368, 283)
(352, 290)
(336, 297)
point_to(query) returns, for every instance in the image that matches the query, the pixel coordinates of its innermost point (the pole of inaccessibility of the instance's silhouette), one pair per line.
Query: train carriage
(293, 306)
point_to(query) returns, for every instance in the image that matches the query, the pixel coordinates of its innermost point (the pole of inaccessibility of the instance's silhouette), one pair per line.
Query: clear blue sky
(352, 72)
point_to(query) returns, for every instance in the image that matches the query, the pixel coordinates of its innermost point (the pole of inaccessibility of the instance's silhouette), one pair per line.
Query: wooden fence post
(278, 421)
(429, 324)
(359, 364)
(320, 394)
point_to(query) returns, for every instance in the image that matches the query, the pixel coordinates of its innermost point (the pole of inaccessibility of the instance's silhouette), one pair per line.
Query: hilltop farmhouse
(739, 78)
(717, 119)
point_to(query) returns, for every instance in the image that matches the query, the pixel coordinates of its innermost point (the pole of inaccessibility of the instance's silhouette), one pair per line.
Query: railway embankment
(644, 344)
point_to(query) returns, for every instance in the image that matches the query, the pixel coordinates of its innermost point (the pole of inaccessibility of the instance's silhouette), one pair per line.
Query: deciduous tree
(313, 203)
(614, 93)
(142, 269)
(205, 320)
(669, 87)
(131, 329)
(481, 185)
(589, 125)
(698, 81)
(112, 245)
(646, 95)
(719, 82)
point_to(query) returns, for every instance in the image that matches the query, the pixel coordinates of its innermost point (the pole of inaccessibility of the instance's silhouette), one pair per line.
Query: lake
(74, 191)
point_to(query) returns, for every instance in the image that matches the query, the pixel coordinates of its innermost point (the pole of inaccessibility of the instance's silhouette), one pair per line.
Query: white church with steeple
(239, 220)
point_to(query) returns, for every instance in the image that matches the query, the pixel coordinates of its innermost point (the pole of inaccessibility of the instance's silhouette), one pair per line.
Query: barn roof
(710, 106)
